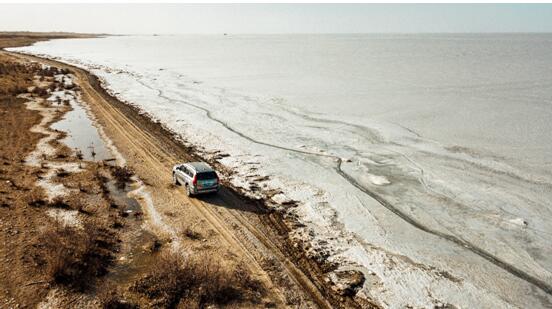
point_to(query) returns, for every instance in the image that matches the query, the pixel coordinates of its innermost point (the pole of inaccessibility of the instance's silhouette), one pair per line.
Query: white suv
(197, 177)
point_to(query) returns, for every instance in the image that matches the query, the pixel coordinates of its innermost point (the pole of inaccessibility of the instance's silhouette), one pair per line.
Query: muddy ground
(126, 236)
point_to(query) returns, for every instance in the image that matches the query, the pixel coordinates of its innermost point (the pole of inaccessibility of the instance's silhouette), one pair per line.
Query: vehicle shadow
(228, 199)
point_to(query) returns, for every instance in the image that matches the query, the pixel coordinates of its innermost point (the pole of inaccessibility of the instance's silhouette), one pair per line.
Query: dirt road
(238, 230)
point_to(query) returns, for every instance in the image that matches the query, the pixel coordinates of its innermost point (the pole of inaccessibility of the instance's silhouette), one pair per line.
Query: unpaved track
(235, 229)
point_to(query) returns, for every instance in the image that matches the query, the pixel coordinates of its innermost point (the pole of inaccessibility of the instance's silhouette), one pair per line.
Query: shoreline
(272, 219)
(158, 147)
(275, 219)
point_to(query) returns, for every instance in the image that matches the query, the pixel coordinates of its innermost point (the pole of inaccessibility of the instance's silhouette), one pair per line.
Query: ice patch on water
(378, 180)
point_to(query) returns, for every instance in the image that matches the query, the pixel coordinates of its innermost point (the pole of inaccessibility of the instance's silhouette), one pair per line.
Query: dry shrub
(122, 175)
(155, 245)
(117, 224)
(41, 92)
(59, 202)
(49, 71)
(192, 234)
(36, 198)
(62, 173)
(65, 71)
(174, 279)
(74, 257)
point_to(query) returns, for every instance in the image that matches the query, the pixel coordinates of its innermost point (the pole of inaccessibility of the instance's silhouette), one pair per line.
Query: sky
(276, 18)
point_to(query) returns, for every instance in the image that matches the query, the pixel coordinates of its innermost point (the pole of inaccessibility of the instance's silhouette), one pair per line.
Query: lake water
(424, 161)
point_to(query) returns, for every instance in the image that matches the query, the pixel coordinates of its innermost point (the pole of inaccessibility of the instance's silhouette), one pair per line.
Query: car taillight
(194, 181)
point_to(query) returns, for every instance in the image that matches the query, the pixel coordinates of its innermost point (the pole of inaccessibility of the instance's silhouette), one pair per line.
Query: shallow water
(135, 256)
(413, 156)
(82, 135)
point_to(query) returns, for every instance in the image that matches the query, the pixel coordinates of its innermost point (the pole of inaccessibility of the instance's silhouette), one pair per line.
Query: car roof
(200, 167)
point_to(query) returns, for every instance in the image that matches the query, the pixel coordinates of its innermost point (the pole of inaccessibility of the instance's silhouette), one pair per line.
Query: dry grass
(75, 258)
(201, 280)
(15, 77)
(110, 300)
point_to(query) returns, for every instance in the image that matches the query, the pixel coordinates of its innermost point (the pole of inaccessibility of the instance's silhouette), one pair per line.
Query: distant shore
(23, 38)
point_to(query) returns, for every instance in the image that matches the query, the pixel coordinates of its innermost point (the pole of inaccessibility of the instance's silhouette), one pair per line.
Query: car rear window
(206, 175)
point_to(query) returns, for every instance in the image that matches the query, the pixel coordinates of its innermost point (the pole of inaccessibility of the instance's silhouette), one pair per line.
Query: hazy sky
(276, 18)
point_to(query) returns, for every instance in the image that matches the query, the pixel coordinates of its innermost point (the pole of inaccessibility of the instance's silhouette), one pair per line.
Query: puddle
(120, 197)
(82, 134)
(136, 260)
(136, 254)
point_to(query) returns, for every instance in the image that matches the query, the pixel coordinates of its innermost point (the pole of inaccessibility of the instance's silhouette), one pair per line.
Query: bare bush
(36, 199)
(62, 173)
(41, 92)
(59, 202)
(73, 257)
(192, 234)
(122, 175)
(48, 71)
(175, 279)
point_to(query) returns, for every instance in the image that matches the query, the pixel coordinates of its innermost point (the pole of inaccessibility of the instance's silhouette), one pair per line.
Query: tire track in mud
(541, 284)
(216, 220)
(295, 274)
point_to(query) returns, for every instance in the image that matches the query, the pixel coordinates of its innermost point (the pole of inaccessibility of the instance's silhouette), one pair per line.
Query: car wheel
(189, 191)
(175, 181)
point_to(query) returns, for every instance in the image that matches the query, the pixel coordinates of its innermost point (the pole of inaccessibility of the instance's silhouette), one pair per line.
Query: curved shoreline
(512, 269)
(275, 220)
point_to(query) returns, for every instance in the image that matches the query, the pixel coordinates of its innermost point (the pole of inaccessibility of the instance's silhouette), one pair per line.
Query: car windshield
(206, 175)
